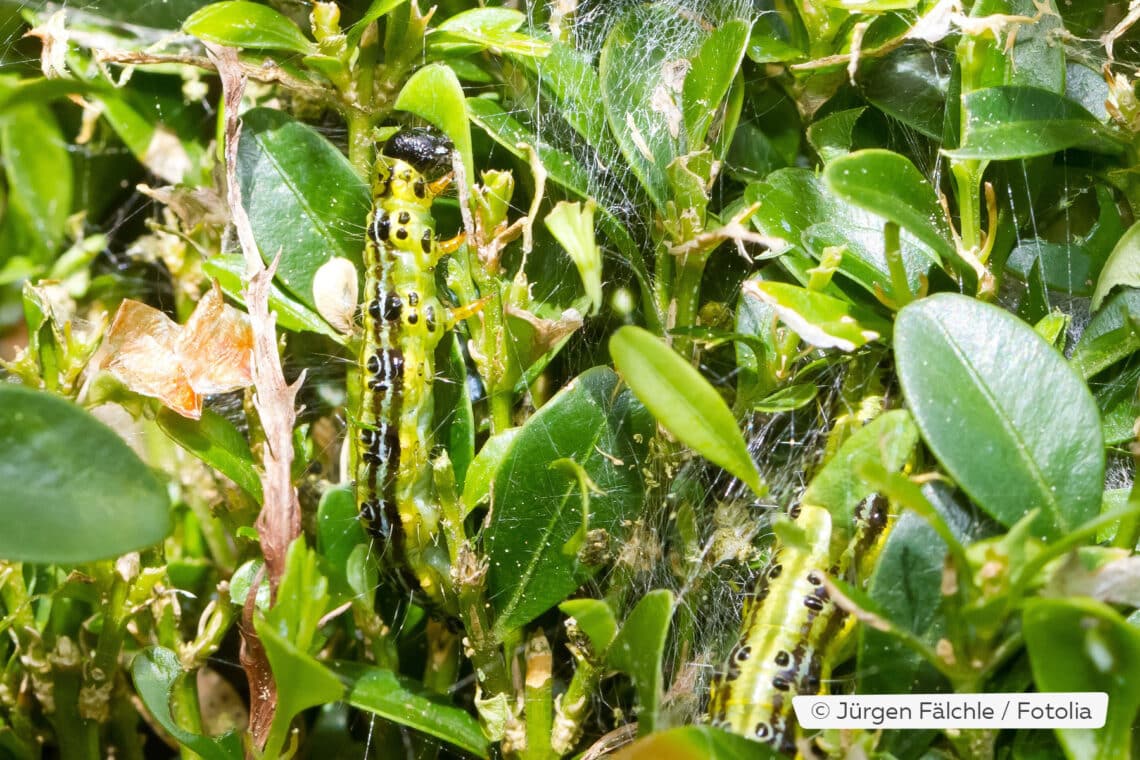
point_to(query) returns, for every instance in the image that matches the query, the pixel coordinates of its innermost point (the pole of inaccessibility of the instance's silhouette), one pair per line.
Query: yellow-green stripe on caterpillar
(403, 323)
(791, 627)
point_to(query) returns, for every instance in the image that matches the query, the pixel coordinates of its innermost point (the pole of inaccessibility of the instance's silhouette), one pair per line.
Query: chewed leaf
(153, 356)
(156, 672)
(819, 319)
(1004, 123)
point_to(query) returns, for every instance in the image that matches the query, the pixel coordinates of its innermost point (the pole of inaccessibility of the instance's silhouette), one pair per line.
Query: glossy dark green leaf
(303, 198)
(156, 672)
(713, 69)
(909, 84)
(1122, 267)
(406, 702)
(772, 41)
(433, 93)
(683, 402)
(831, 136)
(638, 649)
(1084, 645)
(1111, 334)
(839, 486)
(74, 492)
(1065, 267)
(37, 175)
(796, 206)
(538, 508)
(247, 25)
(215, 441)
(339, 532)
(820, 319)
(697, 743)
(1004, 413)
(888, 185)
(1021, 122)
(1119, 406)
(481, 474)
(639, 65)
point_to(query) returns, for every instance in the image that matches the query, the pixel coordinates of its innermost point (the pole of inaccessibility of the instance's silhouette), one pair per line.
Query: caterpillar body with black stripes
(791, 627)
(403, 323)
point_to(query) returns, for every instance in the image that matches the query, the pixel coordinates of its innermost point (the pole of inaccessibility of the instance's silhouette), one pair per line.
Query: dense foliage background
(721, 259)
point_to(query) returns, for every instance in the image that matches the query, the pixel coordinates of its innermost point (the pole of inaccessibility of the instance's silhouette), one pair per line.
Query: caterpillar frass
(403, 323)
(791, 627)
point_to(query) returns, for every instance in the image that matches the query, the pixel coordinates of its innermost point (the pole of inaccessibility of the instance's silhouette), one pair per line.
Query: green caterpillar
(791, 627)
(403, 323)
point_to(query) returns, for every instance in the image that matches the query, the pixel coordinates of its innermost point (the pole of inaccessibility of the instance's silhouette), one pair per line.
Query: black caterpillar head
(426, 150)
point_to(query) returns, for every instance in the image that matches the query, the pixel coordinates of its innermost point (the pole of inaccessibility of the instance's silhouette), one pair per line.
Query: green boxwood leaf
(1004, 123)
(888, 185)
(538, 508)
(910, 84)
(302, 682)
(303, 198)
(74, 491)
(683, 402)
(713, 69)
(1122, 267)
(485, 466)
(215, 441)
(638, 648)
(247, 25)
(796, 206)
(433, 93)
(1003, 412)
(820, 319)
(38, 182)
(156, 672)
(339, 532)
(1111, 334)
(1085, 645)
(572, 225)
(832, 135)
(405, 701)
(455, 421)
